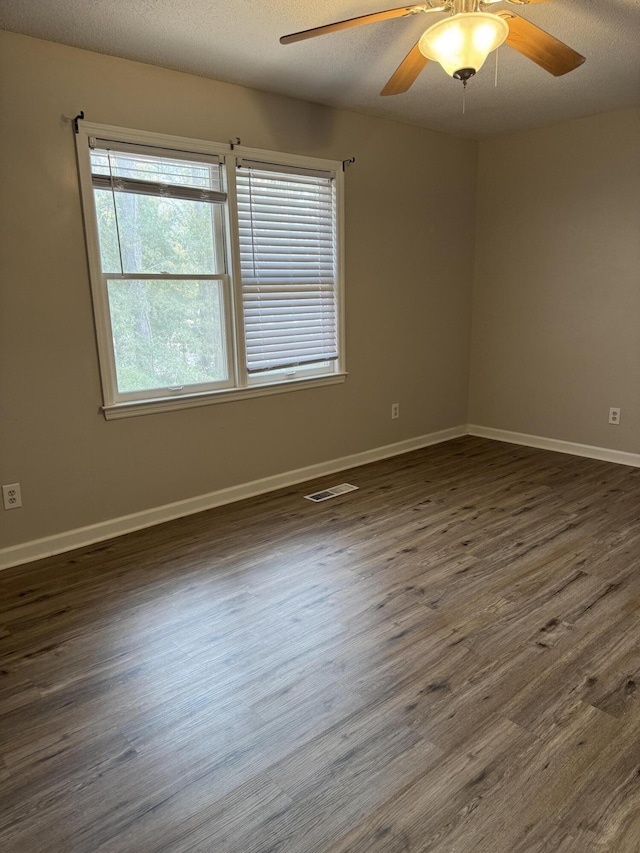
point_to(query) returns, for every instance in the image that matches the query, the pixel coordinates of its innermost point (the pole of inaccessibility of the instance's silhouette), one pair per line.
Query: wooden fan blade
(400, 12)
(406, 73)
(546, 51)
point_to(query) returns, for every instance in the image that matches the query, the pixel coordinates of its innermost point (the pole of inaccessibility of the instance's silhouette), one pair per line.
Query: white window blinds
(287, 231)
(135, 169)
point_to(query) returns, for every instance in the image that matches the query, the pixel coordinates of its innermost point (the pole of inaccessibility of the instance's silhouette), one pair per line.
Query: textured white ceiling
(237, 41)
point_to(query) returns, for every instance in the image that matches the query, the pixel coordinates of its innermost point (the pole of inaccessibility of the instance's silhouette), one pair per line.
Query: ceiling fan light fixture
(462, 42)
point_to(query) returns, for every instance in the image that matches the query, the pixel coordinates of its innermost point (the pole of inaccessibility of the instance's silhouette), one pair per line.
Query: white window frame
(240, 385)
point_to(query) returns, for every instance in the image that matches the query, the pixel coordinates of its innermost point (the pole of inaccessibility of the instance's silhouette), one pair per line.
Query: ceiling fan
(462, 41)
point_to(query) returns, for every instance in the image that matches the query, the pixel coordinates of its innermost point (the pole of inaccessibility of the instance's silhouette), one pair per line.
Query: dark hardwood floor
(445, 660)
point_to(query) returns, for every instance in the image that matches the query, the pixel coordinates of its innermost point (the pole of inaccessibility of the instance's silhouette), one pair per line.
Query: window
(215, 274)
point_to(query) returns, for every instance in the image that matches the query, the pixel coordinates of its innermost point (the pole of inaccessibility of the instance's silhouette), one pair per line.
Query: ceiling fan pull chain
(495, 82)
(464, 92)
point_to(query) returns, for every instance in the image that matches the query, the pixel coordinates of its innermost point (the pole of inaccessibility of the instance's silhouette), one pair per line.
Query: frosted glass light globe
(462, 42)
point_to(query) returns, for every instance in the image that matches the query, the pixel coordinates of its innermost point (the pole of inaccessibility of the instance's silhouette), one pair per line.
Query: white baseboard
(67, 541)
(620, 457)
(78, 538)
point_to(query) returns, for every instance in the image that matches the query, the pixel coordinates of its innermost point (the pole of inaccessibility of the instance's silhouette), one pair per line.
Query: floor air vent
(325, 494)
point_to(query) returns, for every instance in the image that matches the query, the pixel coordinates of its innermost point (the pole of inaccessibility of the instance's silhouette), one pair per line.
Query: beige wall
(556, 290)
(410, 211)
(556, 312)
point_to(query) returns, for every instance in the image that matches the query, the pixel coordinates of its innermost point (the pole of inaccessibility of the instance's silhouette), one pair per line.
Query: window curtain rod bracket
(348, 162)
(235, 141)
(78, 118)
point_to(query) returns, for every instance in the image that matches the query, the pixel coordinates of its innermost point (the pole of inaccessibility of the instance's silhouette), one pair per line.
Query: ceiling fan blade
(545, 50)
(406, 73)
(401, 12)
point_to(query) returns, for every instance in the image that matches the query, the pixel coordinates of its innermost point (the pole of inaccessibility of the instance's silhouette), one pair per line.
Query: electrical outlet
(11, 496)
(614, 415)
(395, 411)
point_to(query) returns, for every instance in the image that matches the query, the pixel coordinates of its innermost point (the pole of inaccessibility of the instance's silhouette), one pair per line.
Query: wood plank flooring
(446, 660)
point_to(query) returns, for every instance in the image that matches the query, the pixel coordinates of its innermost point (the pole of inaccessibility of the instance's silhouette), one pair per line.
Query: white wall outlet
(11, 496)
(395, 411)
(614, 415)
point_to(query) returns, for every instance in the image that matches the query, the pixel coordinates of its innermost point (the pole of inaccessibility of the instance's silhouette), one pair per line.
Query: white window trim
(244, 388)
(207, 398)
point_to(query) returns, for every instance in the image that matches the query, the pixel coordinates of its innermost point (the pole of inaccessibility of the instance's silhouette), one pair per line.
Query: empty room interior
(254, 254)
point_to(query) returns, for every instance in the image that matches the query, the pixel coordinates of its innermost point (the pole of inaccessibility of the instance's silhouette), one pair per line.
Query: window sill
(170, 404)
